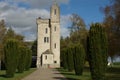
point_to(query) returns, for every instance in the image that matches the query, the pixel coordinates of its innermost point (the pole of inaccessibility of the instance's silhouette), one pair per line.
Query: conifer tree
(64, 58)
(97, 51)
(70, 59)
(22, 59)
(11, 57)
(28, 59)
(79, 59)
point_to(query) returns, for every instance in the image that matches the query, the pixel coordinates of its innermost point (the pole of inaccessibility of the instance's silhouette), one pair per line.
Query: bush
(11, 57)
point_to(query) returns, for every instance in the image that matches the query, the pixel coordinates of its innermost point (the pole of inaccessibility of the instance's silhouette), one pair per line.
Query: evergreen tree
(22, 59)
(64, 58)
(28, 59)
(11, 57)
(70, 59)
(34, 48)
(97, 51)
(79, 59)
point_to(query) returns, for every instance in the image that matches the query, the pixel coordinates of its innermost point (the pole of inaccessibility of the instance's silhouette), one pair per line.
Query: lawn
(72, 76)
(18, 76)
(113, 73)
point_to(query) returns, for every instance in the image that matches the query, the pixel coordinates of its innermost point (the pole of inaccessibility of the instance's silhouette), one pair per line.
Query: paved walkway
(45, 74)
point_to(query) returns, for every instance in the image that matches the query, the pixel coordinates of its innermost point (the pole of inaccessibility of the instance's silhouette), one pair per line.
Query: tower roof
(48, 52)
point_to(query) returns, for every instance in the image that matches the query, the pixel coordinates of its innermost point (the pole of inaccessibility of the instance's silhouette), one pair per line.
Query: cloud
(23, 20)
(65, 23)
(37, 3)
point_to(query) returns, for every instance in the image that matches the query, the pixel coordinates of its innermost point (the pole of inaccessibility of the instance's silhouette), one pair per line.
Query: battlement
(42, 21)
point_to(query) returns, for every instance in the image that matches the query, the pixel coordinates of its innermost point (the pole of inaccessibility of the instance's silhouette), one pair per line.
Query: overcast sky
(21, 14)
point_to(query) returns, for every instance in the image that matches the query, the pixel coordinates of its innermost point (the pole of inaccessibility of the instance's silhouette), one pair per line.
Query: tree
(64, 58)
(79, 59)
(11, 57)
(2, 30)
(97, 51)
(78, 32)
(10, 34)
(112, 24)
(22, 59)
(34, 48)
(70, 59)
(28, 59)
(2, 34)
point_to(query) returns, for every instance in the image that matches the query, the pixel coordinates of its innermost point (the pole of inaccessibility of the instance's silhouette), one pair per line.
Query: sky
(21, 14)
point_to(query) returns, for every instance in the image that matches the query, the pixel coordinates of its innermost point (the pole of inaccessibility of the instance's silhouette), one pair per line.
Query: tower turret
(55, 13)
(55, 33)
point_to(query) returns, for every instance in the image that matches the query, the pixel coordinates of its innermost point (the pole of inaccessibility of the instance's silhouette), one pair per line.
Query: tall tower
(48, 39)
(55, 33)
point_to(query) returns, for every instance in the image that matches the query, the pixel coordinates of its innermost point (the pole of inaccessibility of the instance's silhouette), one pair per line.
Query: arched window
(46, 30)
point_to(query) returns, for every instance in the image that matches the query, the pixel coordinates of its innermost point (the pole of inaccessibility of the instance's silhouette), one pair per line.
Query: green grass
(72, 76)
(113, 73)
(18, 76)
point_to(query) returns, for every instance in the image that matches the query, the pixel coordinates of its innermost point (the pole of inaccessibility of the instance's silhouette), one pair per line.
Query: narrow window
(44, 39)
(46, 30)
(55, 28)
(46, 57)
(48, 39)
(55, 61)
(55, 11)
(55, 45)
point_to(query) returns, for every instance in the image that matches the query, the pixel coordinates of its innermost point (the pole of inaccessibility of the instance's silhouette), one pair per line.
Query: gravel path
(45, 74)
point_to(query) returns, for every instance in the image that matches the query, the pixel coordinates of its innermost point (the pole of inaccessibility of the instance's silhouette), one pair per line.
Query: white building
(48, 48)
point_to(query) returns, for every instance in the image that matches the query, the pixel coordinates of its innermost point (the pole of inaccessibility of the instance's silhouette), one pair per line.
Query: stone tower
(48, 48)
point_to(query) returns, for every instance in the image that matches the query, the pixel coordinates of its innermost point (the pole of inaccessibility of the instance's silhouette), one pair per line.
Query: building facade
(48, 48)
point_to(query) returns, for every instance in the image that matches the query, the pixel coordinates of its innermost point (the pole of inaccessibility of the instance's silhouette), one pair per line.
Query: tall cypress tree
(79, 59)
(97, 51)
(70, 59)
(28, 57)
(22, 59)
(64, 58)
(11, 57)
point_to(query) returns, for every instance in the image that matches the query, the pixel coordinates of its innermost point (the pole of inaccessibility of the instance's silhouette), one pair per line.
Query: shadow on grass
(113, 73)
(113, 78)
(61, 78)
(64, 73)
(113, 70)
(2, 75)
